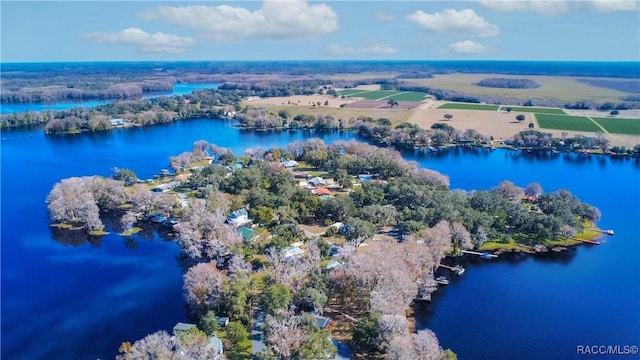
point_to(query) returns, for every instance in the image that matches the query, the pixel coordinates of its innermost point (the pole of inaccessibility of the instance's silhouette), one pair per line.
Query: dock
(593, 242)
(487, 255)
(607, 232)
(452, 268)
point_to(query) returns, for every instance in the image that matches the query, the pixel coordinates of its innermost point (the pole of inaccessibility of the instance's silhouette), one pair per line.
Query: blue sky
(45, 31)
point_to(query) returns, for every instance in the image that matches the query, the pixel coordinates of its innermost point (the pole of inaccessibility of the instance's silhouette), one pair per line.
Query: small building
(223, 321)
(315, 181)
(117, 122)
(333, 264)
(290, 164)
(184, 327)
(215, 344)
(292, 251)
(165, 187)
(322, 322)
(321, 190)
(246, 233)
(238, 217)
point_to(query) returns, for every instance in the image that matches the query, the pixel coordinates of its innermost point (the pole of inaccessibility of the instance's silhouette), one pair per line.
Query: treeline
(507, 83)
(55, 93)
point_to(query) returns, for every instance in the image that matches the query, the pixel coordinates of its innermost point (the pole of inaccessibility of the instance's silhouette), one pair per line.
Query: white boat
(442, 280)
(459, 270)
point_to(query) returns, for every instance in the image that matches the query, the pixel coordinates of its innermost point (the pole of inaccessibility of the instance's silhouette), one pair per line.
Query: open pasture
(535, 110)
(564, 89)
(384, 94)
(567, 122)
(619, 125)
(465, 106)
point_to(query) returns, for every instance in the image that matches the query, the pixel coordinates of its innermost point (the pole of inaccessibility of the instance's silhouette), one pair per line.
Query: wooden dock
(452, 268)
(478, 253)
(586, 241)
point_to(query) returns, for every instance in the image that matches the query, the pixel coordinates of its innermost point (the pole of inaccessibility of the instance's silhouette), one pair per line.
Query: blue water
(82, 299)
(178, 89)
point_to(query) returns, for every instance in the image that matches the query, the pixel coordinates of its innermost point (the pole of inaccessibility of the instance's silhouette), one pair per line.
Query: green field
(566, 122)
(619, 125)
(536, 110)
(384, 94)
(464, 106)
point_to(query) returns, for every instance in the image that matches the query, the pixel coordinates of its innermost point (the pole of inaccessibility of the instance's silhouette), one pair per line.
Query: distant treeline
(53, 93)
(506, 83)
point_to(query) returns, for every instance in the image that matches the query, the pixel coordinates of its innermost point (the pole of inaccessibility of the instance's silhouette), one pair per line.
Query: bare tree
(509, 190)
(159, 345)
(533, 189)
(72, 200)
(426, 345)
(200, 150)
(204, 234)
(203, 287)
(284, 334)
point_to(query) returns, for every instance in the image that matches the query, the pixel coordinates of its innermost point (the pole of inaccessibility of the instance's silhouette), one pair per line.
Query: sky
(586, 30)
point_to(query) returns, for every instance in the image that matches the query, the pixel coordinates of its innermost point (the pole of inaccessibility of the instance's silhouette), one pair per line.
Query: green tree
(614, 112)
(209, 323)
(448, 116)
(365, 334)
(520, 118)
(275, 297)
(261, 214)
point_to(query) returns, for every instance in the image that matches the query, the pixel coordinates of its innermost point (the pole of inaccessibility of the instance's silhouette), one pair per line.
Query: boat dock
(459, 270)
(586, 241)
(607, 232)
(452, 268)
(484, 254)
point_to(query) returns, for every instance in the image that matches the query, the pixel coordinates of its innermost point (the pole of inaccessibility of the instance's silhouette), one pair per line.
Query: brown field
(381, 104)
(501, 125)
(304, 106)
(566, 89)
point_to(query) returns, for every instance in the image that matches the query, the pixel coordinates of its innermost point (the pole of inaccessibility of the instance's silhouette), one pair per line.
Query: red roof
(321, 191)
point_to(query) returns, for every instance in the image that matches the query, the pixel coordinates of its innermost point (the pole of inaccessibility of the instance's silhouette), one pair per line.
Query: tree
(275, 297)
(448, 116)
(391, 102)
(508, 109)
(284, 334)
(158, 345)
(533, 189)
(73, 200)
(209, 323)
(364, 334)
(203, 287)
(614, 112)
(520, 118)
(326, 103)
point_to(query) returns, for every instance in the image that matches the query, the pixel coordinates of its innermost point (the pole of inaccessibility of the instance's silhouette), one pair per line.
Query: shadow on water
(75, 238)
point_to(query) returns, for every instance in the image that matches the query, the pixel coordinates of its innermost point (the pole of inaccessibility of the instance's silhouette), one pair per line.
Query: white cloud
(467, 47)
(382, 16)
(143, 41)
(372, 49)
(546, 7)
(612, 5)
(275, 19)
(555, 7)
(464, 22)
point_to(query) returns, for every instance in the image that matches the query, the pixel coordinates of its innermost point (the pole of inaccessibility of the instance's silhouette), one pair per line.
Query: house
(333, 264)
(117, 122)
(223, 321)
(290, 164)
(246, 233)
(292, 251)
(315, 181)
(238, 217)
(182, 327)
(236, 167)
(215, 344)
(321, 191)
(322, 321)
(165, 187)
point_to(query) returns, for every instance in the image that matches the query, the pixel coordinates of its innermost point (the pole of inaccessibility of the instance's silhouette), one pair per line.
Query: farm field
(619, 125)
(384, 94)
(567, 122)
(565, 89)
(463, 106)
(535, 110)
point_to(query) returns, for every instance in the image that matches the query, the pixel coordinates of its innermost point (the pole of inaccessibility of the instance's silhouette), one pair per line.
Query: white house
(238, 217)
(292, 251)
(290, 164)
(315, 181)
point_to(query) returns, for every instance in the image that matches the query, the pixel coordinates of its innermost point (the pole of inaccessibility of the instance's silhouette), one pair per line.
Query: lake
(178, 89)
(77, 298)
